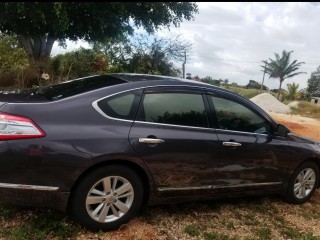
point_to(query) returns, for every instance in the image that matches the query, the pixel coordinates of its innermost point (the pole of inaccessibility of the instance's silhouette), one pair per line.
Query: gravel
(269, 103)
(294, 104)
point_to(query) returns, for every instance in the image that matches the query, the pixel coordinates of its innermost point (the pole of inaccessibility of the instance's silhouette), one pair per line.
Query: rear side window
(174, 108)
(122, 106)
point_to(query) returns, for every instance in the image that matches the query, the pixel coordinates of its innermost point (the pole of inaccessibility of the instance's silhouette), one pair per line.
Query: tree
(141, 54)
(313, 89)
(13, 60)
(79, 63)
(293, 93)
(282, 68)
(38, 25)
(255, 85)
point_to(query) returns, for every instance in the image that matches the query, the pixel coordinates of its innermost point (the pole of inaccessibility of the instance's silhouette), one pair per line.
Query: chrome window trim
(28, 187)
(246, 185)
(173, 125)
(96, 107)
(165, 189)
(212, 187)
(232, 131)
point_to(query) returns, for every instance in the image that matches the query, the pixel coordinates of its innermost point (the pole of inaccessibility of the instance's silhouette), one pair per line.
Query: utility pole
(183, 65)
(264, 73)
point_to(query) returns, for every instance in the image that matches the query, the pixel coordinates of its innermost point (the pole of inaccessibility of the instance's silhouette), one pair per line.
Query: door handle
(151, 140)
(231, 144)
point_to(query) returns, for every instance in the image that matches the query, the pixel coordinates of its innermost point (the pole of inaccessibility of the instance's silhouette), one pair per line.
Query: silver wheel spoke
(310, 183)
(95, 212)
(109, 199)
(304, 183)
(124, 188)
(115, 180)
(107, 184)
(114, 211)
(94, 200)
(125, 195)
(308, 174)
(297, 186)
(104, 213)
(122, 207)
(98, 192)
(300, 177)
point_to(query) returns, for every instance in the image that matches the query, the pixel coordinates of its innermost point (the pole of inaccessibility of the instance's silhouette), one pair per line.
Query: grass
(192, 230)
(247, 93)
(248, 218)
(307, 109)
(37, 225)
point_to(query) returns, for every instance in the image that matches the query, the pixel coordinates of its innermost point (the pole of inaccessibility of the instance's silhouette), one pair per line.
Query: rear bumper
(33, 196)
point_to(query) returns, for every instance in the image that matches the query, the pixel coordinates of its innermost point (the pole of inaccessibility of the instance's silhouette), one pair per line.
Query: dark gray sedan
(101, 147)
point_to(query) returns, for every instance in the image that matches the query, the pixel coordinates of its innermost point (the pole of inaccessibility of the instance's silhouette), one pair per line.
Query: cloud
(231, 39)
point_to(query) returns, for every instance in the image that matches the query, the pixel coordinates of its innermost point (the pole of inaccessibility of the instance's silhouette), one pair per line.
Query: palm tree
(293, 93)
(282, 68)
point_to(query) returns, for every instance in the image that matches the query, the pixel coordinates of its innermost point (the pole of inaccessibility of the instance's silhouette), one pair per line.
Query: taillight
(17, 127)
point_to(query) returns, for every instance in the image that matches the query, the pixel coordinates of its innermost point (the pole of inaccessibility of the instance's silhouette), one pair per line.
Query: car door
(172, 134)
(251, 155)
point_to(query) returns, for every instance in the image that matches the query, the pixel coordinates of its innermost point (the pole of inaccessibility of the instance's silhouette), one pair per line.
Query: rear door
(172, 135)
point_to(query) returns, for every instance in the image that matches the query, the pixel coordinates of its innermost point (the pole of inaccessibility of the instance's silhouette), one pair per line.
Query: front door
(250, 155)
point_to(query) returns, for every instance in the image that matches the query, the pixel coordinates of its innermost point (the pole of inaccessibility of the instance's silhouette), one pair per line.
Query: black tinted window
(70, 88)
(121, 106)
(174, 108)
(236, 117)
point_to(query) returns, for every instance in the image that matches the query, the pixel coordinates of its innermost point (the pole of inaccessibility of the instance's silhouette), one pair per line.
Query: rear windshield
(62, 90)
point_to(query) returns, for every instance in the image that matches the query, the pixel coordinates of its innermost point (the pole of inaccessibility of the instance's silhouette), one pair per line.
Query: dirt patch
(308, 127)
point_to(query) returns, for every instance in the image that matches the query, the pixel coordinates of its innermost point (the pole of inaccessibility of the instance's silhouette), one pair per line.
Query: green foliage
(79, 63)
(247, 93)
(141, 54)
(192, 230)
(263, 233)
(39, 224)
(43, 225)
(293, 93)
(38, 25)
(313, 89)
(212, 81)
(13, 60)
(307, 109)
(255, 85)
(282, 67)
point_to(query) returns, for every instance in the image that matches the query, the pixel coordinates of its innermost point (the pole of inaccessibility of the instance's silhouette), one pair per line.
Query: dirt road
(304, 126)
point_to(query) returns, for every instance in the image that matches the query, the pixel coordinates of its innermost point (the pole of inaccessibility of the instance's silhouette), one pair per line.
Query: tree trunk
(278, 96)
(38, 50)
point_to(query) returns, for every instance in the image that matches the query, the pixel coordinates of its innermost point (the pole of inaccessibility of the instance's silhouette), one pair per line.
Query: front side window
(236, 117)
(184, 109)
(122, 106)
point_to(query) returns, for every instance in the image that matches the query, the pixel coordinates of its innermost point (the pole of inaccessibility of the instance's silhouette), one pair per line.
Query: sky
(230, 40)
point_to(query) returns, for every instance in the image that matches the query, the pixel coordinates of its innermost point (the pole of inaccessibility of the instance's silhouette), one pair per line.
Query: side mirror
(282, 130)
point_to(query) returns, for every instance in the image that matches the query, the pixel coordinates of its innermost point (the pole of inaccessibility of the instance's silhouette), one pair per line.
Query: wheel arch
(124, 163)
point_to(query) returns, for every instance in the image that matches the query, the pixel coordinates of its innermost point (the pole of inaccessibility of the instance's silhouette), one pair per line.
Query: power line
(231, 60)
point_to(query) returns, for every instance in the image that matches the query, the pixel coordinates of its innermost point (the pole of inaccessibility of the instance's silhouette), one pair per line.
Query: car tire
(107, 198)
(303, 183)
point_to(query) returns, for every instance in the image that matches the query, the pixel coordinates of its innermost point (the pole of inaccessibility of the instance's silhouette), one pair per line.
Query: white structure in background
(315, 100)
